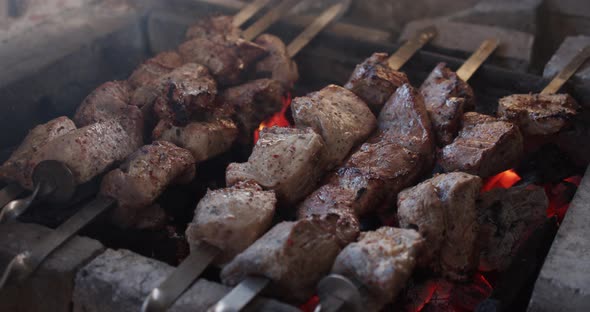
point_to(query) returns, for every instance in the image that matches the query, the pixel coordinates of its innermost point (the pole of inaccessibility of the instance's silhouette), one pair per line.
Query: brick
(50, 287)
(120, 280)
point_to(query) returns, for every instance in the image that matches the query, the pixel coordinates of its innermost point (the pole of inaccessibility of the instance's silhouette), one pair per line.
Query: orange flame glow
(559, 201)
(504, 179)
(279, 119)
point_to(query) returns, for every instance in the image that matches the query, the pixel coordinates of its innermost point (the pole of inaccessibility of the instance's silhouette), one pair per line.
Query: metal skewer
(410, 47)
(10, 193)
(338, 293)
(477, 58)
(568, 71)
(268, 19)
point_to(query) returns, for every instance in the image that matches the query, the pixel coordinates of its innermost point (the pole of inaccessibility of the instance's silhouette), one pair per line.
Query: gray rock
(568, 49)
(564, 281)
(519, 15)
(119, 280)
(50, 288)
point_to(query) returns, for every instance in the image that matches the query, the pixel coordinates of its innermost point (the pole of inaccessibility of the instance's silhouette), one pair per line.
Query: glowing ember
(310, 305)
(504, 179)
(279, 119)
(560, 196)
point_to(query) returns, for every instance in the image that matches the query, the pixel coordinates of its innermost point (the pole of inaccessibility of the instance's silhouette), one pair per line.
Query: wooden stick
(268, 19)
(248, 11)
(405, 52)
(567, 72)
(477, 59)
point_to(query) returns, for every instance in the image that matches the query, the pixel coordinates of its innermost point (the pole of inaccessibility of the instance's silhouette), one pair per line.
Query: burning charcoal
(205, 140)
(507, 217)
(232, 218)
(15, 167)
(284, 160)
(381, 261)
(340, 117)
(252, 103)
(374, 81)
(154, 68)
(538, 114)
(485, 146)
(293, 255)
(548, 164)
(443, 210)
(109, 100)
(446, 97)
(277, 65)
(142, 178)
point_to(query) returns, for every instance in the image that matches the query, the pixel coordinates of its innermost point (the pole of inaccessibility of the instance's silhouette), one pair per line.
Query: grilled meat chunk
(340, 117)
(443, 210)
(285, 160)
(87, 151)
(446, 97)
(538, 114)
(204, 140)
(154, 68)
(14, 169)
(232, 218)
(277, 65)
(215, 26)
(374, 81)
(251, 103)
(143, 176)
(293, 255)
(109, 100)
(506, 218)
(381, 261)
(485, 146)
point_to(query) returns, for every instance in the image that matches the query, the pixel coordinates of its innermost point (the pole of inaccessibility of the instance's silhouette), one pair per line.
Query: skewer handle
(268, 19)
(247, 12)
(407, 50)
(241, 295)
(567, 72)
(477, 58)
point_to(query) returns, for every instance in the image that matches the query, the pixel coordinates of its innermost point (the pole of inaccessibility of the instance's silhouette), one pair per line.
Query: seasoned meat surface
(232, 218)
(538, 114)
(215, 26)
(87, 151)
(285, 160)
(339, 116)
(374, 81)
(381, 261)
(443, 210)
(143, 176)
(252, 103)
(109, 100)
(277, 65)
(293, 255)
(485, 146)
(154, 68)
(204, 140)
(14, 169)
(446, 97)
(507, 217)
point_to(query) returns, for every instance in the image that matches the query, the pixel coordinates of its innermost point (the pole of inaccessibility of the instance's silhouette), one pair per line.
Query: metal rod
(248, 11)
(164, 296)
(477, 58)
(241, 295)
(336, 291)
(407, 50)
(15, 208)
(9, 193)
(268, 19)
(567, 72)
(328, 16)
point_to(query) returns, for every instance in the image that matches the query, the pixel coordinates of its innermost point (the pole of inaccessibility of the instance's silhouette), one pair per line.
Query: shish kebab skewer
(344, 291)
(25, 264)
(189, 270)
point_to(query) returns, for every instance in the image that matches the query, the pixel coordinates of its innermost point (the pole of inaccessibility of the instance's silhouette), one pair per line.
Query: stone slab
(564, 281)
(50, 288)
(119, 280)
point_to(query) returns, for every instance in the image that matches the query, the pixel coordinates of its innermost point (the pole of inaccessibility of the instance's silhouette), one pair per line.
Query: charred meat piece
(374, 81)
(443, 210)
(232, 218)
(214, 26)
(507, 217)
(381, 261)
(285, 160)
(538, 114)
(277, 65)
(109, 100)
(14, 168)
(293, 255)
(252, 103)
(446, 97)
(87, 151)
(204, 140)
(143, 176)
(154, 68)
(340, 117)
(485, 146)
